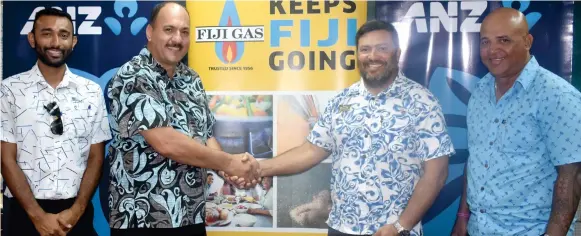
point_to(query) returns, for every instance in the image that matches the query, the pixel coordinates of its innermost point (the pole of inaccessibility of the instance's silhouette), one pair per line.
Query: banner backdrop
(270, 68)
(291, 45)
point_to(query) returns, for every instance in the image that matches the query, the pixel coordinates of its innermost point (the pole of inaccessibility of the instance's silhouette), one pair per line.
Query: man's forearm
(213, 144)
(19, 187)
(566, 195)
(181, 148)
(293, 161)
(90, 177)
(423, 197)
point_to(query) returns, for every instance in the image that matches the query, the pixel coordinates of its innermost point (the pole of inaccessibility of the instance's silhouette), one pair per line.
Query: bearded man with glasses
(54, 128)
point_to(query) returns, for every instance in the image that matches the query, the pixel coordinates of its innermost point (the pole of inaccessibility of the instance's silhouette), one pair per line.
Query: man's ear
(148, 32)
(31, 40)
(74, 41)
(529, 41)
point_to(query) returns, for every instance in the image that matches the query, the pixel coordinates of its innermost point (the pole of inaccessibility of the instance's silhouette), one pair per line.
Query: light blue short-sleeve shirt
(515, 145)
(378, 145)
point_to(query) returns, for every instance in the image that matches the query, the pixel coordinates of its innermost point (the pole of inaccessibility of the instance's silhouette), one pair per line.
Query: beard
(41, 54)
(390, 70)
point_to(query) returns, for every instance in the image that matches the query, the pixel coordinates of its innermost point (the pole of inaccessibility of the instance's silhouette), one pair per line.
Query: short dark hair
(51, 12)
(210, 174)
(375, 25)
(157, 8)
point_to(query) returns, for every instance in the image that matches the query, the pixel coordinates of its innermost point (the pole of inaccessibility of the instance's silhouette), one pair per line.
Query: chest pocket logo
(344, 108)
(80, 115)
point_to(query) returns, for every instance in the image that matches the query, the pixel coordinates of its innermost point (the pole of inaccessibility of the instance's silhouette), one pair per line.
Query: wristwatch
(401, 230)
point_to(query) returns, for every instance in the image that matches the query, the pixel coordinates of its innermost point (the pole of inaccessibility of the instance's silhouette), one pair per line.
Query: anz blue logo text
(83, 26)
(438, 17)
(136, 25)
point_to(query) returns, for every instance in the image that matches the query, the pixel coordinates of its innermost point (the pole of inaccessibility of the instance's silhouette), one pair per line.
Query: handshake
(243, 171)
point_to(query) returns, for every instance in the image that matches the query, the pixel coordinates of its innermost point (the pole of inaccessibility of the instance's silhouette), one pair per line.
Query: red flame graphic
(229, 46)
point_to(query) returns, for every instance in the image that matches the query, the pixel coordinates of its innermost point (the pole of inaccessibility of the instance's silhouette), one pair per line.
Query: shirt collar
(68, 78)
(525, 79)
(181, 69)
(360, 89)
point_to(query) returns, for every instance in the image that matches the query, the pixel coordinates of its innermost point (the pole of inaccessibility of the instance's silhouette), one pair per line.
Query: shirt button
(481, 188)
(485, 165)
(491, 143)
(482, 211)
(495, 120)
(503, 122)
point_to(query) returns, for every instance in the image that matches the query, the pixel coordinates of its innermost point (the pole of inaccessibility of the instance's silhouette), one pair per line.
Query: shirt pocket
(519, 133)
(79, 118)
(349, 127)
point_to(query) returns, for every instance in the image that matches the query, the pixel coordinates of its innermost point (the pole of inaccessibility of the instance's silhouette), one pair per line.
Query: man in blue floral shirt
(388, 143)
(523, 137)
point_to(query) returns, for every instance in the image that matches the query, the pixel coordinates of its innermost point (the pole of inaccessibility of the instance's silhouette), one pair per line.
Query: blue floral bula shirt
(146, 189)
(378, 145)
(514, 146)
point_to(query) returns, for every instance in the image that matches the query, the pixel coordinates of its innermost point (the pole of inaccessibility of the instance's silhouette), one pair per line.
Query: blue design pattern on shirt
(514, 147)
(148, 190)
(378, 145)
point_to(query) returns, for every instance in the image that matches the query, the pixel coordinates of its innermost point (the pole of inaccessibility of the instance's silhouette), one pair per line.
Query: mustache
(53, 48)
(177, 45)
(367, 63)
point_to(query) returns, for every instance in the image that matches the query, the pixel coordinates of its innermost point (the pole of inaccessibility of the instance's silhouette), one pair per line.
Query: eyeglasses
(56, 127)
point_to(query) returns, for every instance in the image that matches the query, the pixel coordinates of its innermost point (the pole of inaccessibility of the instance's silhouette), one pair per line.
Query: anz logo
(85, 27)
(136, 25)
(91, 15)
(450, 21)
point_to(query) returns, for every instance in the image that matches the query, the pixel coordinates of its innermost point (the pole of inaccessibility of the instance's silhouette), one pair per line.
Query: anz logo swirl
(449, 20)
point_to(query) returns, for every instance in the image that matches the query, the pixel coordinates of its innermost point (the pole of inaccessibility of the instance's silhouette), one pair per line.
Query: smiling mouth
(54, 53)
(496, 61)
(374, 66)
(174, 48)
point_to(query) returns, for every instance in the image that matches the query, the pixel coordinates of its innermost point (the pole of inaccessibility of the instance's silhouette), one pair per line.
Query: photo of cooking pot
(243, 123)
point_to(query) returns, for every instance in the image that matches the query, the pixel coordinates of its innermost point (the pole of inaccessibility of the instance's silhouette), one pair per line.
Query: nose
(493, 47)
(373, 54)
(54, 41)
(178, 37)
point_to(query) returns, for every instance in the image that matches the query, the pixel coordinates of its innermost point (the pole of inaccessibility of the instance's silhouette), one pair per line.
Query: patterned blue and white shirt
(146, 189)
(514, 147)
(378, 145)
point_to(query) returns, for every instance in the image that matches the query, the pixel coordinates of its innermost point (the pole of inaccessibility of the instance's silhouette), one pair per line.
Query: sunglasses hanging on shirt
(56, 127)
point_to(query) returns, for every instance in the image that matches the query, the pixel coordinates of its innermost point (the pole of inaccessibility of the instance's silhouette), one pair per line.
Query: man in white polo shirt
(54, 125)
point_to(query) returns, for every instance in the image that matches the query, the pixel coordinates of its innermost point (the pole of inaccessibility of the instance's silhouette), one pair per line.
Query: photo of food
(296, 116)
(243, 123)
(227, 206)
(304, 200)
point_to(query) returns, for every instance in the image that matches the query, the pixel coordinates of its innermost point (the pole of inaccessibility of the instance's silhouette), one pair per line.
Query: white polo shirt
(53, 164)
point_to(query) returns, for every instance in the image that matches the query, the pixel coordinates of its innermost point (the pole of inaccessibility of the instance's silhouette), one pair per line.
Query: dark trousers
(191, 230)
(15, 221)
(333, 232)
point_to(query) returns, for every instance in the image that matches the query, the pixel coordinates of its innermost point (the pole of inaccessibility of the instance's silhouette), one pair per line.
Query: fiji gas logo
(230, 35)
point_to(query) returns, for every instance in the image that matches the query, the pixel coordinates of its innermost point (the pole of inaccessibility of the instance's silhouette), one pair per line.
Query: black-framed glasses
(56, 127)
